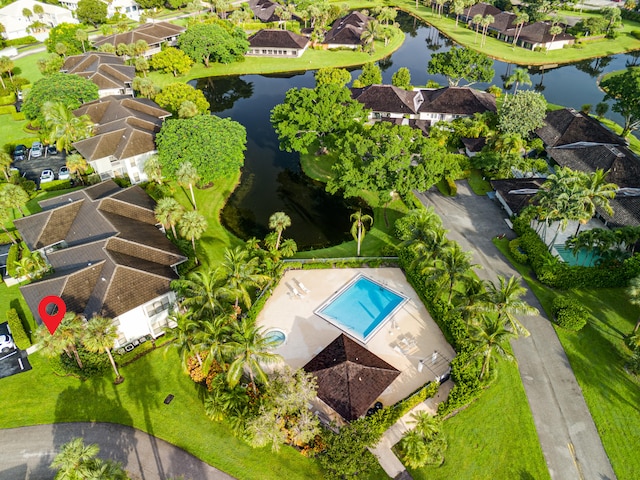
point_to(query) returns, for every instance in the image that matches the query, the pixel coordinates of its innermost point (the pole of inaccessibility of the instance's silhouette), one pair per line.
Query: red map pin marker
(52, 320)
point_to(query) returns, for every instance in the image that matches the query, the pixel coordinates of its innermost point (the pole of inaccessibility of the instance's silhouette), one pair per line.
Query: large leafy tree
(171, 60)
(212, 42)
(624, 90)
(64, 33)
(63, 126)
(371, 75)
(92, 11)
(314, 115)
(214, 146)
(521, 113)
(339, 76)
(462, 64)
(70, 90)
(175, 95)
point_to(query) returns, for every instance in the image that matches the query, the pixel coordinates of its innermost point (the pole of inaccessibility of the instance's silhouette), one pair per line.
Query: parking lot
(31, 168)
(14, 361)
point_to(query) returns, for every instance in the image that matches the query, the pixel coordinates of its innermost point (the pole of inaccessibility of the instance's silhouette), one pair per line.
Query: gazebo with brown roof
(350, 377)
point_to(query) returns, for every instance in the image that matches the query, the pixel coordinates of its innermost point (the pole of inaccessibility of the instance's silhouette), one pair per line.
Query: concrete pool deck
(407, 340)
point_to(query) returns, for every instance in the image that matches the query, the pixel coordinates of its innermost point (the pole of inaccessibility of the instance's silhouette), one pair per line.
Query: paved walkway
(568, 436)
(27, 452)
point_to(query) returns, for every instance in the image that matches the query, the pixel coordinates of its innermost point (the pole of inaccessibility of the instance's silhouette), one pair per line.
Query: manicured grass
(494, 438)
(10, 297)
(47, 398)
(311, 60)
(28, 66)
(597, 355)
(478, 184)
(500, 50)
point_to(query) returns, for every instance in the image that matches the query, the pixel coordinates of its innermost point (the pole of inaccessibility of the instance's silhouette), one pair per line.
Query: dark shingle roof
(116, 260)
(350, 377)
(457, 101)
(517, 201)
(264, 10)
(538, 32)
(567, 126)
(387, 98)
(474, 144)
(106, 70)
(152, 33)
(269, 38)
(481, 9)
(347, 30)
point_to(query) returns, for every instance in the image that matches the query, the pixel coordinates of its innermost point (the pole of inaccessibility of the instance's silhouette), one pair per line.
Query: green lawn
(48, 398)
(597, 355)
(10, 297)
(494, 438)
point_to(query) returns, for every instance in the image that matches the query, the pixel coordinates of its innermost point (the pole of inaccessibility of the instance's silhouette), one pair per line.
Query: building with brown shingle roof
(346, 31)
(109, 258)
(106, 70)
(277, 43)
(124, 137)
(155, 34)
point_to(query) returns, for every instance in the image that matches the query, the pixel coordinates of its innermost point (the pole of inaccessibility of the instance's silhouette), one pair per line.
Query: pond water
(272, 180)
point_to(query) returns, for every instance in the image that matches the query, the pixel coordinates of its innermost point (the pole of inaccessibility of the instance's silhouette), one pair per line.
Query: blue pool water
(584, 258)
(361, 307)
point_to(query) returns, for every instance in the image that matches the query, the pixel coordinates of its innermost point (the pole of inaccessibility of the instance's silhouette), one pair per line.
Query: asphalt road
(31, 168)
(27, 452)
(568, 437)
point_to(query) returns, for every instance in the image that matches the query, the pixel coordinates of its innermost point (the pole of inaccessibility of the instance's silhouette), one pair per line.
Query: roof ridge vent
(616, 152)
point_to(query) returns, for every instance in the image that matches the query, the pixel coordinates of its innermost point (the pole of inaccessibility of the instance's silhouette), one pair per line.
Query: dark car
(20, 152)
(52, 150)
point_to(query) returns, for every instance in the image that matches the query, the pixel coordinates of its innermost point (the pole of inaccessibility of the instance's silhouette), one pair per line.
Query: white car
(37, 150)
(6, 344)
(64, 174)
(47, 176)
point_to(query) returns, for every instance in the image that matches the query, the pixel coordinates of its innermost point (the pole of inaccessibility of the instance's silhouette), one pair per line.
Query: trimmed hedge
(17, 329)
(516, 252)
(56, 185)
(568, 313)
(12, 257)
(28, 40)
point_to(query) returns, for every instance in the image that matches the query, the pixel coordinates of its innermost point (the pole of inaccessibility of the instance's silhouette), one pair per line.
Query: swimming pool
(361, 307)
(584, 258)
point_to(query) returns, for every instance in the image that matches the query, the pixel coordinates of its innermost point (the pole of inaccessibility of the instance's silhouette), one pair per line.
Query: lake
(272, 180)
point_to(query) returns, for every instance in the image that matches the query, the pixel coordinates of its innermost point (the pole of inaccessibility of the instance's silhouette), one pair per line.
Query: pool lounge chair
(296, 292)
(303, 288)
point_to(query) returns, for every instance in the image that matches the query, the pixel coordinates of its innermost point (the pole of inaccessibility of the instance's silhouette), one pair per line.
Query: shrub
(28, 40)
(635, 34)
(12, 257)
(7, 107)
(517, 254)
(17, 329)
(568, 313)
(56, 185)
(93, 364)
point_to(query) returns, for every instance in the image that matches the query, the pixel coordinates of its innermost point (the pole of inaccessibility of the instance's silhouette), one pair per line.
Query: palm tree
(13, 196)
(520, 76)
(153, 170)
(169, 212)
(100, 336)
(248, 350)
(278, 222)
(63, 127)
(520, 20)
(5, 164)
(184, 334)
(69, 333)
(191, 226)
(440, 4)
(203, 291)
(553, 31)
(75, 460)
(359, 229)
(77, 165)
(458, 9)
(509, 144)
(5, 217)
(188, 175)
(486, 21)
(598, 192)
(505, 300)
(452, 266)
(82, 36)
(27, 266)
(369, 35)
(240, 272)
(6, 66)
(633, 293)
(488, 338)
(477, 21)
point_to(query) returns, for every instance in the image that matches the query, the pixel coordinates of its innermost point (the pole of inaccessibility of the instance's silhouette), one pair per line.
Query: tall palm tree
(204, 292)
(553, 31)
(5, 217)
(520, 20)
(633, 293)
(241, 274)
(65, 339)
(359, 228)
(278, 222)
(77, 165)
(63, 127)
(453, 265)
(191, 226)
(458, 9)
(169, 212)
(13, 196)
(248, 350)
(75, 460)
(82, 36)
(505, 301)
(100, 336)
(188, 175)
(369, 35)
(153, 169)
(5, 164)
(488, 338)
(477, 21)
(520, 76)
(598, 192)
(486, 21)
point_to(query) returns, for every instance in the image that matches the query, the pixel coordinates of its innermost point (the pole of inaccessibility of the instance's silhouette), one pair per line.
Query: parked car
(37, 150)
(20, 152)
(52, 150)
(6, 344)
(47, 176)
(64, 174)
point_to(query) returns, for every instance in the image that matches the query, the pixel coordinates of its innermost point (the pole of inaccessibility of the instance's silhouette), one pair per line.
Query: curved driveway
(568, 436)
(27, 452)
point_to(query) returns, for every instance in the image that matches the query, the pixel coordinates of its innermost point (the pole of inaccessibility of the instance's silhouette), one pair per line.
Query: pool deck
(408, 340)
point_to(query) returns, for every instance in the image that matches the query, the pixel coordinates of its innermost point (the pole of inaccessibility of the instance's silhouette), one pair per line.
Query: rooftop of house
(264, 10)
(387, 98)
(568, 126)
(457, 101)
(347, 30)
(106, 70)
(538, 32)
(274, 38)
(517, 192)
(125, 127)
(152, 33)
(111, 243)
(482, 9)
